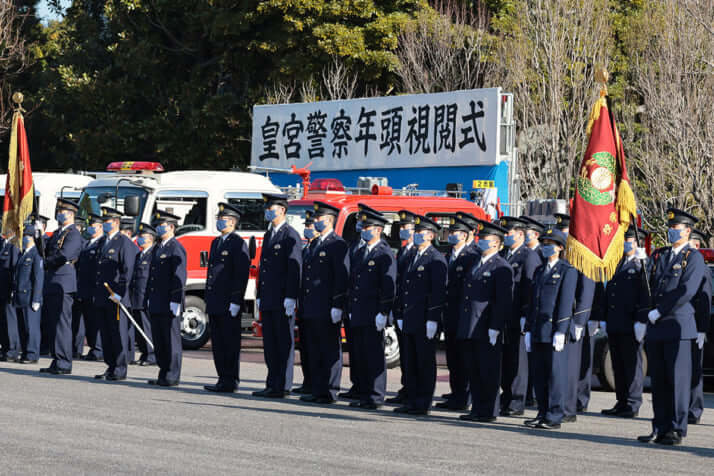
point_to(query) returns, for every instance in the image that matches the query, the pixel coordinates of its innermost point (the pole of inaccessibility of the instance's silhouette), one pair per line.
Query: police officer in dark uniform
(702, 310)
(228, 269)
(78, 326)
(310, 235)
(165, 298)
(277, 291)
(523, 261)
(460, 261)
(405, 256)
(371, 296)
(40, 222)
(27, 296)
(9, 335)
(676, 275)
(323, 298)
(146, 240)
(127, 227)
(487, 302)
(114, 267)
(618, 308)
(547, 327)
(60, 284)
(473, 222)
(423, 292)
(86, 286)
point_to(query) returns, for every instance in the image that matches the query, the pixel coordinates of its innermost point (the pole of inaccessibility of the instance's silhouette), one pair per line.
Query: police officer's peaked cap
(488, 228)
(228, 210)
(562, 220)
(366, 208)
(555, 235)
(28, 230)
(145, 228)
(630, 233)
(40, 218)
(457, 224)
(699, 235)
(322, 208)
(532, 224)
(425, 223)
(271, 199)
(94, 218)
(510, 223)
(127, 223)
(161, 216)
(471, 220)
(309, 217)
(369, 218)
(67, 204)
(676, 216)
(405, 217)
(108, 212)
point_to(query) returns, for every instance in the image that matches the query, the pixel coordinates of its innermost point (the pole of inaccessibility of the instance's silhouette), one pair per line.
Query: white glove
(640, 330)
(336, 315)
(175, 308)
(653, 315)
(493, 336)
(558, 341)
(431, 329)
(523, 323)
(577, 332)
(701, 337)
(380, 321)
(115, 297)
(234, 309)
(527, 340)
(603, 326)
(289, 305)
(400, 324)
(592, 327)
(640, 253)
(35, 306)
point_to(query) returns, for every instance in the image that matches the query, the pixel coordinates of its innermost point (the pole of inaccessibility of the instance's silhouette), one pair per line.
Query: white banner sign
(422, 130)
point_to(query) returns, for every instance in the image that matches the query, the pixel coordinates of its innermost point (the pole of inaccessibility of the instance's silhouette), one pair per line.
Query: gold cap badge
(452, 221)
(417, 220)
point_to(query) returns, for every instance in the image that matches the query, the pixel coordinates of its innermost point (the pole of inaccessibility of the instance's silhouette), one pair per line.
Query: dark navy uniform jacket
(703, 303)
(87, 269)
(9, 254)
(423, 291)
(324, 277)
(584, 295)
(404, 259)
(458, 269)
(674, 285)
(524, 263)
(61, 253)
(227, 278)
(167, 277)
(140, 278)
(488, 295)
(372, 285)
(115, 264)
(621, 299)
(28, 279)
(553, 301)
(280, 268)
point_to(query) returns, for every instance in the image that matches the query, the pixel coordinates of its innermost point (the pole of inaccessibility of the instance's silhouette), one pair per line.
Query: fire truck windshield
(93, 198)
(296, 217)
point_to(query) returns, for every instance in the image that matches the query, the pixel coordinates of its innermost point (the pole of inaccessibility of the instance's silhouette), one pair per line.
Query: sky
(43, 10)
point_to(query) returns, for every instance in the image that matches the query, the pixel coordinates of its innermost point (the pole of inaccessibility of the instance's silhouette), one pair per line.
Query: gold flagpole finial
(17, 98)
(601, 76)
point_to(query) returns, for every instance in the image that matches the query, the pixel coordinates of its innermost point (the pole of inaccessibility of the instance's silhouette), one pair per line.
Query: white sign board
(458, 128)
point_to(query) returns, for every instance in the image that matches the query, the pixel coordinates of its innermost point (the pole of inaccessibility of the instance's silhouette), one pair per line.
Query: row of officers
(517, 318)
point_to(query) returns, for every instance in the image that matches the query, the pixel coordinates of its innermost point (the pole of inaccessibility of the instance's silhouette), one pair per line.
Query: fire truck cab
(193, 196)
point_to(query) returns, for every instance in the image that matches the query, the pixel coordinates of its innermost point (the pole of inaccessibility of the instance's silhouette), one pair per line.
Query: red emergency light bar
(326, 185)
(135, 167)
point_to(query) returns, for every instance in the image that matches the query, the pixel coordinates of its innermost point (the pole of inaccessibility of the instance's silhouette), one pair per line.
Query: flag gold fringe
(595, 113)
(14, 219)
(626, 205)
(592, 265)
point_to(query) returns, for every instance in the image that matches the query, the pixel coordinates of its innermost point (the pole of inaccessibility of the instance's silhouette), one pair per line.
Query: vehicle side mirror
(131, 205)
(252, 247)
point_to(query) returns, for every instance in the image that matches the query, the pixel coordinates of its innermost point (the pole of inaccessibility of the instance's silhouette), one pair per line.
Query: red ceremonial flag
(604, 204)
(19, 187)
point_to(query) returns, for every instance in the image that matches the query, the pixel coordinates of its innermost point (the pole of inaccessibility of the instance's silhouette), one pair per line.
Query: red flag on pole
(19, 187)
(604, 204)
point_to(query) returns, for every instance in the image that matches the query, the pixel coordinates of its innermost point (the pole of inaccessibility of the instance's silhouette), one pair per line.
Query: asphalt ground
(77, 425)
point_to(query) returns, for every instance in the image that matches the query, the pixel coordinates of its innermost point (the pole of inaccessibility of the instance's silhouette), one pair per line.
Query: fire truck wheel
(194, 324)
(391, 347)
(607, 374)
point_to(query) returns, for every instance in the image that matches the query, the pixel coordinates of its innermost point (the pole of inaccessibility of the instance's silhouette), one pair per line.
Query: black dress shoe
(450, 406)
(396, 400)
(261, 393)
(532, 423)
(469, 417)
(275, 394)
(145, 363)
(611, 411)
(54, 371)
(90, 358)
(647, 438)
(548, 425)
(133, 362)
(303, 390)
(369, 405)
(355, 404)
(168, 383)
(45, 370)
(507, 412)
(403, 410)
(102, 376)
(418, 411)
(447, 395)
(308, 398)
(115, 378)
(626, 413)
(153, 381)
(219, 389)
(570, 419)
(348, 395)
(693, 420)
(28, 361)
(580, 409)
(325, 400)
(671, 438)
